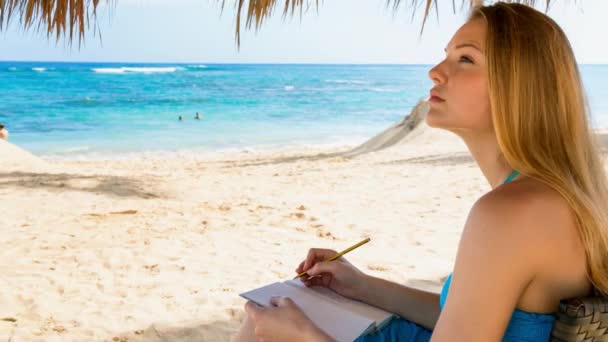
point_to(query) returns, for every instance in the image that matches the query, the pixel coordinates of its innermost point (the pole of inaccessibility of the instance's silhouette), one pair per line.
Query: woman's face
(459, 100)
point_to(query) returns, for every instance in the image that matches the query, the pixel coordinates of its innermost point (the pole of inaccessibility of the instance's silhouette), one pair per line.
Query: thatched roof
(67, 18)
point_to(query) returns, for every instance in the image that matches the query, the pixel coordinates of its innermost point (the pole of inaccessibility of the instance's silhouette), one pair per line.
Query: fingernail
(249, 308)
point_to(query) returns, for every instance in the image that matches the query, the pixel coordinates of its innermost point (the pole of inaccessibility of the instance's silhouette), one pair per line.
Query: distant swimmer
(198, 116)
(3, 132)
(180, 118)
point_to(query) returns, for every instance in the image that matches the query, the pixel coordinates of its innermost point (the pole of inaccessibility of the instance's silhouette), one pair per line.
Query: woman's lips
(434, 96)
(436, 99)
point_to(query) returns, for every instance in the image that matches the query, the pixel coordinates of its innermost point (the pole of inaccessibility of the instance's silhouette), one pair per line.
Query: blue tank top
(523, 326)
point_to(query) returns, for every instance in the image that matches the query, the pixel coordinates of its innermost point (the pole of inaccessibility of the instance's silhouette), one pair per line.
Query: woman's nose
(437, 75)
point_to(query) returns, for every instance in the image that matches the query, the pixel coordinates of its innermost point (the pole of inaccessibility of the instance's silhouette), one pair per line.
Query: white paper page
(340, 324)
(376, 314)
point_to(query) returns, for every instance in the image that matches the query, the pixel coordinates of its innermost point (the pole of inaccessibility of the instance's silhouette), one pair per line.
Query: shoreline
(201, 154)
(233, 152)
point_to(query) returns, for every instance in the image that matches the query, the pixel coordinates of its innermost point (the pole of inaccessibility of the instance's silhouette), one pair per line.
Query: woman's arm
(341, 276)
(418, 306)
(498, 256)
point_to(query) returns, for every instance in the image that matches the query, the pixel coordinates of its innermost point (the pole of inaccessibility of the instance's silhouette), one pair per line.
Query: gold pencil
(337, 255)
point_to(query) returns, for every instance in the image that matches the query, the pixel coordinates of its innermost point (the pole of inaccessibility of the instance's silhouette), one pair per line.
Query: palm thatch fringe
(67, 18)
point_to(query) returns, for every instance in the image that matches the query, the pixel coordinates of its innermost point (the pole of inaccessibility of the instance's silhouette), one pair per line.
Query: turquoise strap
(511, 176)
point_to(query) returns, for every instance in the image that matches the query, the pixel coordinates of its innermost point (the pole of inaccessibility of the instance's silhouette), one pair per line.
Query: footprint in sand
(378, 268)
(153, 269)
(298, 215)
(280, 275)
(50, 324)
(264, 207)
(325, 234)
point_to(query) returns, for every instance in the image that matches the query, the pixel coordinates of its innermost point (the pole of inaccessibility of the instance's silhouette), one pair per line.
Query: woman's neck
(487, 154)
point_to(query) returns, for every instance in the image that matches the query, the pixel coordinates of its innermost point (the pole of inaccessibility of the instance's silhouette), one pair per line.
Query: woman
(3, 132)
(510, 88)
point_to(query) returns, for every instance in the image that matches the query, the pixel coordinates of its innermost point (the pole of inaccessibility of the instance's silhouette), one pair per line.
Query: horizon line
(207, 63)
(233, 63)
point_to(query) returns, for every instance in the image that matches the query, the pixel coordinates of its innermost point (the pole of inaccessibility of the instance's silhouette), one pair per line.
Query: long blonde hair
(539, 112)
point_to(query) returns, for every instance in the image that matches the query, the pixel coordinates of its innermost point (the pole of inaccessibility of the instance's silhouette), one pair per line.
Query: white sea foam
(346, 81)
(289, 88)
(384, 90)
(199, 66)
(39, 69)
(123, 70)
(75, 149)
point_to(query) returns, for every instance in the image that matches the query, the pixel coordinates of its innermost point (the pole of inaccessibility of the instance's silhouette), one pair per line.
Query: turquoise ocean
(119, 109)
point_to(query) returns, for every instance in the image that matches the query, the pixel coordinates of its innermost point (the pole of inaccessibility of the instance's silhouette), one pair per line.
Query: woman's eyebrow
(474, 46)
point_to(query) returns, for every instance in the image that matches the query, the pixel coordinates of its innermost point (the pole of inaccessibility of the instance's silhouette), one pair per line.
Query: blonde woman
(510, 88)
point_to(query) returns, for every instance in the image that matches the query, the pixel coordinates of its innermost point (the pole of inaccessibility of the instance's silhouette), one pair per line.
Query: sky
(341, 31)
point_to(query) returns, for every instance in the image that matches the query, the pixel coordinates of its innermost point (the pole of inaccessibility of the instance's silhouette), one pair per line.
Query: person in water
(197, 117)
(510, 88)
(180, 118)
(3, 132)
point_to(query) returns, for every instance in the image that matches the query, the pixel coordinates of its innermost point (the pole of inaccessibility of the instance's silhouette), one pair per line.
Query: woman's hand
(338, 275)
(283, 321)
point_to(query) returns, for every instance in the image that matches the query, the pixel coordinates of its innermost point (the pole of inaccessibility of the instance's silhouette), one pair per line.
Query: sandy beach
(158, 249)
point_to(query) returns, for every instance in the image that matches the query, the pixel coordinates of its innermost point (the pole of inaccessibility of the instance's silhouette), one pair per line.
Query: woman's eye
(466, 59)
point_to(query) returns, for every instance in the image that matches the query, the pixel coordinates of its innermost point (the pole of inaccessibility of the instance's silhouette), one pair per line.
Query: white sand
(159, 249)
(14, 159)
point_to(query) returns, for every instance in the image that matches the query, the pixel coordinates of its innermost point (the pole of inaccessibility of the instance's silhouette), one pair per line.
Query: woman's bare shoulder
(527, 214)
(533, 227)
(538, 218)
(531, 207)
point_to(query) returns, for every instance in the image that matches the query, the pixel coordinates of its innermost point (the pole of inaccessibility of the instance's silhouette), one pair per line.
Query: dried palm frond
(56, 17)
(69, 17)
(259, 10)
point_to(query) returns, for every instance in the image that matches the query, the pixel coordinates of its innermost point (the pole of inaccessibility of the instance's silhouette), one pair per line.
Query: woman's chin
(432, 120)
(438, 124)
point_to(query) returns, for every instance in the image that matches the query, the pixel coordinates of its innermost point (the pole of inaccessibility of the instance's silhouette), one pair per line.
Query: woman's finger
(253, 310)
(317, 254)
(300, 268)
(281, 301)
(315, 281)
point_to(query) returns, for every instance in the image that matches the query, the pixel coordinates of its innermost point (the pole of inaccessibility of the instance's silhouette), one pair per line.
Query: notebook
(341, 318)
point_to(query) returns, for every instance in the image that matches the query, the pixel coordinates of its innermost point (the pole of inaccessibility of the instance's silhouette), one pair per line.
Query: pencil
(337, 255)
